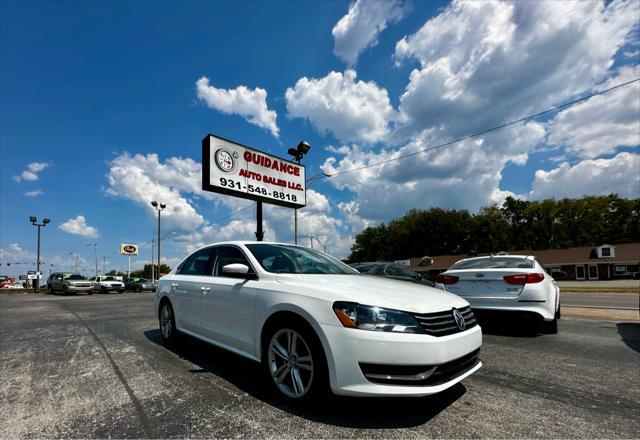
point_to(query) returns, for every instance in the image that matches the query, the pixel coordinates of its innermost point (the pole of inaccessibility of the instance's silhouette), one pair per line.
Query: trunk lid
(485, 283)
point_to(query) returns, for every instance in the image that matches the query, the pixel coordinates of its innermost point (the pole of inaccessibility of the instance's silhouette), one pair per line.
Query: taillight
(524, 278)
(446, 279)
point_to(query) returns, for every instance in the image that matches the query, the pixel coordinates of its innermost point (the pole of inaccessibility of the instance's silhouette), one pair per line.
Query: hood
(374, 291)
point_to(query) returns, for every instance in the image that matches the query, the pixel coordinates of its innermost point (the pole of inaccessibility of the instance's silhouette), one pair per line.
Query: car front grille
(420, 375)
(443, 323)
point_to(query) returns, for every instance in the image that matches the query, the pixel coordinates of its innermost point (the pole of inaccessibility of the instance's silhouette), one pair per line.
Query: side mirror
(237, 270)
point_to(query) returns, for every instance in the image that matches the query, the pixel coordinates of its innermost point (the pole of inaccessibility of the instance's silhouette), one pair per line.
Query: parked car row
(66, 283)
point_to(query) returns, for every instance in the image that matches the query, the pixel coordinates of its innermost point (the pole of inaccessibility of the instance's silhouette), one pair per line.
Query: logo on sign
(225, 160)
(459, 319)
(129, 249)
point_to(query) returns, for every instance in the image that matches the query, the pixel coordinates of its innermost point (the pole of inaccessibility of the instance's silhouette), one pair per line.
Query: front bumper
(104, 288)
(78, 288)
(351, 347)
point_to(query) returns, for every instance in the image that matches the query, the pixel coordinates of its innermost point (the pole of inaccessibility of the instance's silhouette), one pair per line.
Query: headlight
(354, 315)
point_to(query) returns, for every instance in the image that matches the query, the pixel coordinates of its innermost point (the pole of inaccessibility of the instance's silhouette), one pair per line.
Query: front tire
(295, 362)
(49, 290)
(167, 322)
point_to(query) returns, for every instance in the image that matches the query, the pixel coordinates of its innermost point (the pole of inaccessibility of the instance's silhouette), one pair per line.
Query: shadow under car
(353, 412)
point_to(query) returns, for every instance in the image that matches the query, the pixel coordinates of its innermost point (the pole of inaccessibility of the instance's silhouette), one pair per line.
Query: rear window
(494, 263)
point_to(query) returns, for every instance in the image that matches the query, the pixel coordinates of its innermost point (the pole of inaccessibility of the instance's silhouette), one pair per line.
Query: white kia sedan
(315, 323)
(515, 283)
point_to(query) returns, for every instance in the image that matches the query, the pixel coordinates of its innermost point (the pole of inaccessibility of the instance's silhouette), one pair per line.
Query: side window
(229, 255)
(199, 263)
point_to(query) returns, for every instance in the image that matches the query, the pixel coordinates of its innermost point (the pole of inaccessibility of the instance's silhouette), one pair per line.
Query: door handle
(205, 290)
(174, 284)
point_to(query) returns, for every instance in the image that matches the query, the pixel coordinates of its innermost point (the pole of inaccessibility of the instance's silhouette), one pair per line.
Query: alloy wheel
(290, 363)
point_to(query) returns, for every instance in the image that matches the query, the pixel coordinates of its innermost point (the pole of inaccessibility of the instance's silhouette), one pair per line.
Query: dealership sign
(129, 249)
(236, 170)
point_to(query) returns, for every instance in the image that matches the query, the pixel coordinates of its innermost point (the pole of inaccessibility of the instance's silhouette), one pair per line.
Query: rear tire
(295, 363)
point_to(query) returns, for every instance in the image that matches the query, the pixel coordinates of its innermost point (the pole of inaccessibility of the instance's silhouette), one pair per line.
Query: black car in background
(138, 284)
(391, 270)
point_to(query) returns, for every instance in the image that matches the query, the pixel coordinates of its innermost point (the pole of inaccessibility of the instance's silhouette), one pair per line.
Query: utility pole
(34, 222)
(95, 252)
(153, 242)
(104, 263)
(77, 257)
(311, 240)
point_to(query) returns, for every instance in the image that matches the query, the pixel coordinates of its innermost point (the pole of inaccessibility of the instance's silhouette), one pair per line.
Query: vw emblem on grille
(479, 275)
(459, 319)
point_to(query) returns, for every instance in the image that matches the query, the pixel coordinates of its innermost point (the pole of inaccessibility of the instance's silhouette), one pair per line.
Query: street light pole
(34, 222)
(159, 207)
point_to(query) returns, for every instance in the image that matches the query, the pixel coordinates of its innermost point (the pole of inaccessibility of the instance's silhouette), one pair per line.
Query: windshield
(278, 258)
(74, 277)
(494, 263)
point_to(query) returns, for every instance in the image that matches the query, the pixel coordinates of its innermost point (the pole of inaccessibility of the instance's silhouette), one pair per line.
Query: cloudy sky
(104, 105)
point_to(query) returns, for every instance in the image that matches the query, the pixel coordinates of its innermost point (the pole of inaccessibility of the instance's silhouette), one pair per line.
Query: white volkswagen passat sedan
(514, 283)
(315, 322)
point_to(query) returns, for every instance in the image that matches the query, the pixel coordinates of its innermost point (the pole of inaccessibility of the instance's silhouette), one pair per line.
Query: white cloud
(603, 123)
(352, 110)
(142, 178)
(34, 193)
(481, 64)
(618, 175)
(360, 27)
(31, 173)
(464, 175)
(484, 63)
(79, 226)
(250, 104)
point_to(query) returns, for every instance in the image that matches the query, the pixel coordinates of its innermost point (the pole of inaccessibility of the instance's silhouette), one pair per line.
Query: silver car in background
(515, 283)
(65, 283)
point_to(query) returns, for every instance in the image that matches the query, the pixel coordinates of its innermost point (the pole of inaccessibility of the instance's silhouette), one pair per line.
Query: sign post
(129, 250)
(240, 171)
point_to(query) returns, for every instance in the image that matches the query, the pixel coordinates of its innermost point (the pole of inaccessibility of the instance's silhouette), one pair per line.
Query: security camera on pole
(297, 154)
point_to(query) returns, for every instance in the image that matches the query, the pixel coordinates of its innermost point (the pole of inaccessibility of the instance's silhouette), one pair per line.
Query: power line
(488, 130)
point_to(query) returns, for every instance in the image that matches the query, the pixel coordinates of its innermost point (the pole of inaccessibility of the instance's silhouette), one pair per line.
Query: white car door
(187, 284)
(228, 307)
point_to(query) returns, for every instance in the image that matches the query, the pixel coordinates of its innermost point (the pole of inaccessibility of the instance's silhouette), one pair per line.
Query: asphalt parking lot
(94, 367)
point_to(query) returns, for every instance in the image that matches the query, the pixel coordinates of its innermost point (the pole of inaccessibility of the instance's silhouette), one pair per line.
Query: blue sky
(102, 110)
